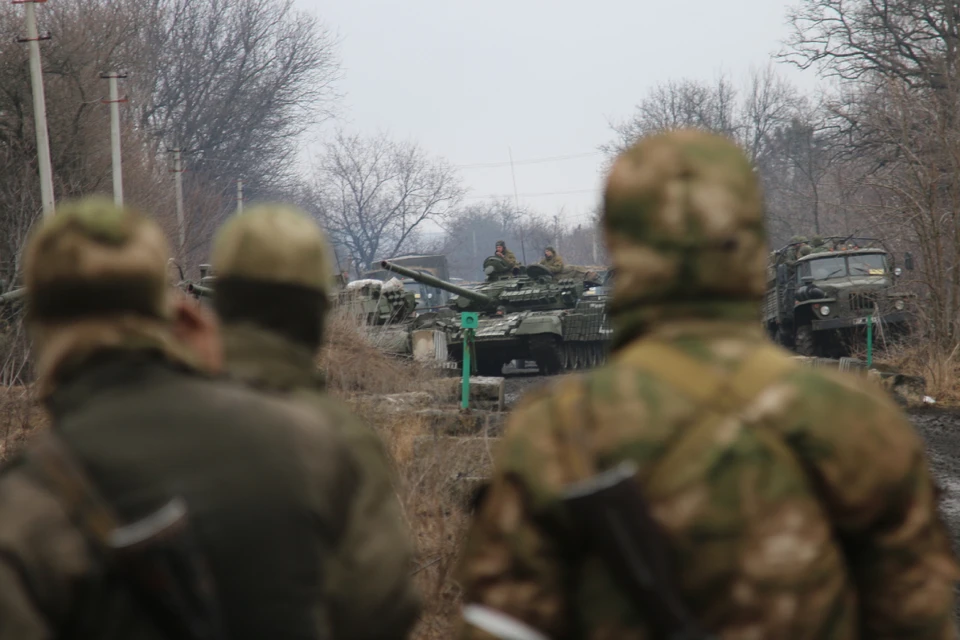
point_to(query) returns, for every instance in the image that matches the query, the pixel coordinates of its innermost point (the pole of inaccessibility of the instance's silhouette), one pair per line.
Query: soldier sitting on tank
(552, 261)
(502, 252)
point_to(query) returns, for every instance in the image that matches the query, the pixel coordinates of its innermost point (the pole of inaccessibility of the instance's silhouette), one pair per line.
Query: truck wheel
(784, 339)
(806, 343)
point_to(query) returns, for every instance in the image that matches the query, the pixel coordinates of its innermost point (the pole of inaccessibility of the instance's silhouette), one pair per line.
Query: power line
(532, 195)
(491, 165)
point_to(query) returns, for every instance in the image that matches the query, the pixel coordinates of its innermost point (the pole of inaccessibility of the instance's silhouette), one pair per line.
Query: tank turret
(506, 290)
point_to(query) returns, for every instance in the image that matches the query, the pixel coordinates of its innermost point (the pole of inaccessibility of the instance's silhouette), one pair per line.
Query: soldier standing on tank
(272, 293)
(792, 503)
(143, 442)
(552, 261)
(501, 251)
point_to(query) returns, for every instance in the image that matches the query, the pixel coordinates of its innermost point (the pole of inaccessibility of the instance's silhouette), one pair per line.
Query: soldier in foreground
(272, 298)
(767, 501)
(552, 261)
(161, 503)
(502, 252)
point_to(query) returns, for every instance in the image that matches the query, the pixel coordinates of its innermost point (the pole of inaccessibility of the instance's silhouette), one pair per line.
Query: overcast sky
(470, 80)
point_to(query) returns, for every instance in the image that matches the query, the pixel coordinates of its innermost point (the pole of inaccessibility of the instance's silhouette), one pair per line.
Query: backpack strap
(720, 397)
(761, 368)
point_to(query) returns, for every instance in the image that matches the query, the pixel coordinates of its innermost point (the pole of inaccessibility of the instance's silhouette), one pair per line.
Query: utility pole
(39, 105)
(114, 103)
(178, 183)
(516, 201)
(239, 196)
(594, 244)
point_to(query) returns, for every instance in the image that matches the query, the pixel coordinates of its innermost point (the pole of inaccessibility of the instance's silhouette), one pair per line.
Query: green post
(870, 340)
(468, 323)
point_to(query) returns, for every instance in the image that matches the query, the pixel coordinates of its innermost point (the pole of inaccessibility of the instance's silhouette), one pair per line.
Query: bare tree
(233, 83)
(749, 116)
(914, 41)
(373, 195)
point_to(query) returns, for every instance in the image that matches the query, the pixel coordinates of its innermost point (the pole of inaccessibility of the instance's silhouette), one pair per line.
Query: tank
(525, 314)
(385, 308)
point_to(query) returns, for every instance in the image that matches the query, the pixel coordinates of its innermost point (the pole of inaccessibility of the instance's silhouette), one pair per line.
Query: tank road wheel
(566, 356)
(806, 341)
(488, 367)
(546, 351)
(594, 355)
(574, 356)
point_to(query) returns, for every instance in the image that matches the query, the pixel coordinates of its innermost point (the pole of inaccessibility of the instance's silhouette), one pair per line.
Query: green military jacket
(510, 258)
(372, 589)
(805, 511)
(554, 265)
(268, 487)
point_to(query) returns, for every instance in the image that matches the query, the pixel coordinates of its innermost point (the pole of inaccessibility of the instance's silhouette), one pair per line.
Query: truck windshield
(871, 264)
(826, 268)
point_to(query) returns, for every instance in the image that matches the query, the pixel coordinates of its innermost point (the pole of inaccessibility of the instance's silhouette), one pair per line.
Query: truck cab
(818, 303)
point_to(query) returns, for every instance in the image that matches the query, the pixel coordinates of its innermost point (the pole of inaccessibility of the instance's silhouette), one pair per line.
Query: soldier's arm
(511, 569)
(42, 559)
(375, 596)
(871, 470)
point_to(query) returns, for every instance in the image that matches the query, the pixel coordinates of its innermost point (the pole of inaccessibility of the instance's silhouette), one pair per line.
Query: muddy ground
(941, 430)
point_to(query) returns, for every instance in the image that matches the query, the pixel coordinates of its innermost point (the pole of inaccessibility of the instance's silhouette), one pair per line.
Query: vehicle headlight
(824, 310)
(899, 305)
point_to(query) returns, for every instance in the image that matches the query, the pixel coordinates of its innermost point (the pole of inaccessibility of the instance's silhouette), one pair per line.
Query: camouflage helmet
(93, 258)
(816, 241)
(278, 244)
(683, 219)
(800, 239)
(805, 251)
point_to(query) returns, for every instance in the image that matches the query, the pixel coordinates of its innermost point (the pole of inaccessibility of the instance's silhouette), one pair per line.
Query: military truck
(818, 302)
(429, 298)
(524, 314)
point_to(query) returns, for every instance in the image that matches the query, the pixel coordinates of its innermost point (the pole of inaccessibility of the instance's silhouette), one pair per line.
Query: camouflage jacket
(268, 489)
(371, 586)
(812, 515)
(510, 258)
(554, 264)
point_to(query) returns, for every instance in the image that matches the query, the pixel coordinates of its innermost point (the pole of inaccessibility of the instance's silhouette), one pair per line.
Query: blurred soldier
(506, 254)
(162, 503)
(552, 261)
(272, 298)
(817, 245)
(769, 501)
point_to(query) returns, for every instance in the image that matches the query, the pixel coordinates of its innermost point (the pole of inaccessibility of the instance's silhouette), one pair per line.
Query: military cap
(683, 218)
(551, 249)
(274, 243)
(92, 258)
(501, 243)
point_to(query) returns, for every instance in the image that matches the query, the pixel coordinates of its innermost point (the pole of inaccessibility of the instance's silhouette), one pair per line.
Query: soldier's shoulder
(34, 525)
(835, 390)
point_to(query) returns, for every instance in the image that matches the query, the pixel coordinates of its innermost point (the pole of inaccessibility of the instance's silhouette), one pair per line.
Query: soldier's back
(744, 463)
(267, 487)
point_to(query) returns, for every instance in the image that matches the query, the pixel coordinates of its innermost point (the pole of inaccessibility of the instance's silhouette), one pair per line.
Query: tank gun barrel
(13, 295)
(437, 282)
(200, 290)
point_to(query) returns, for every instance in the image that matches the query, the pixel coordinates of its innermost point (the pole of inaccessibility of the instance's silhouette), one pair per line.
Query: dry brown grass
(940, 369)
(20, 416)
(427, 468)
